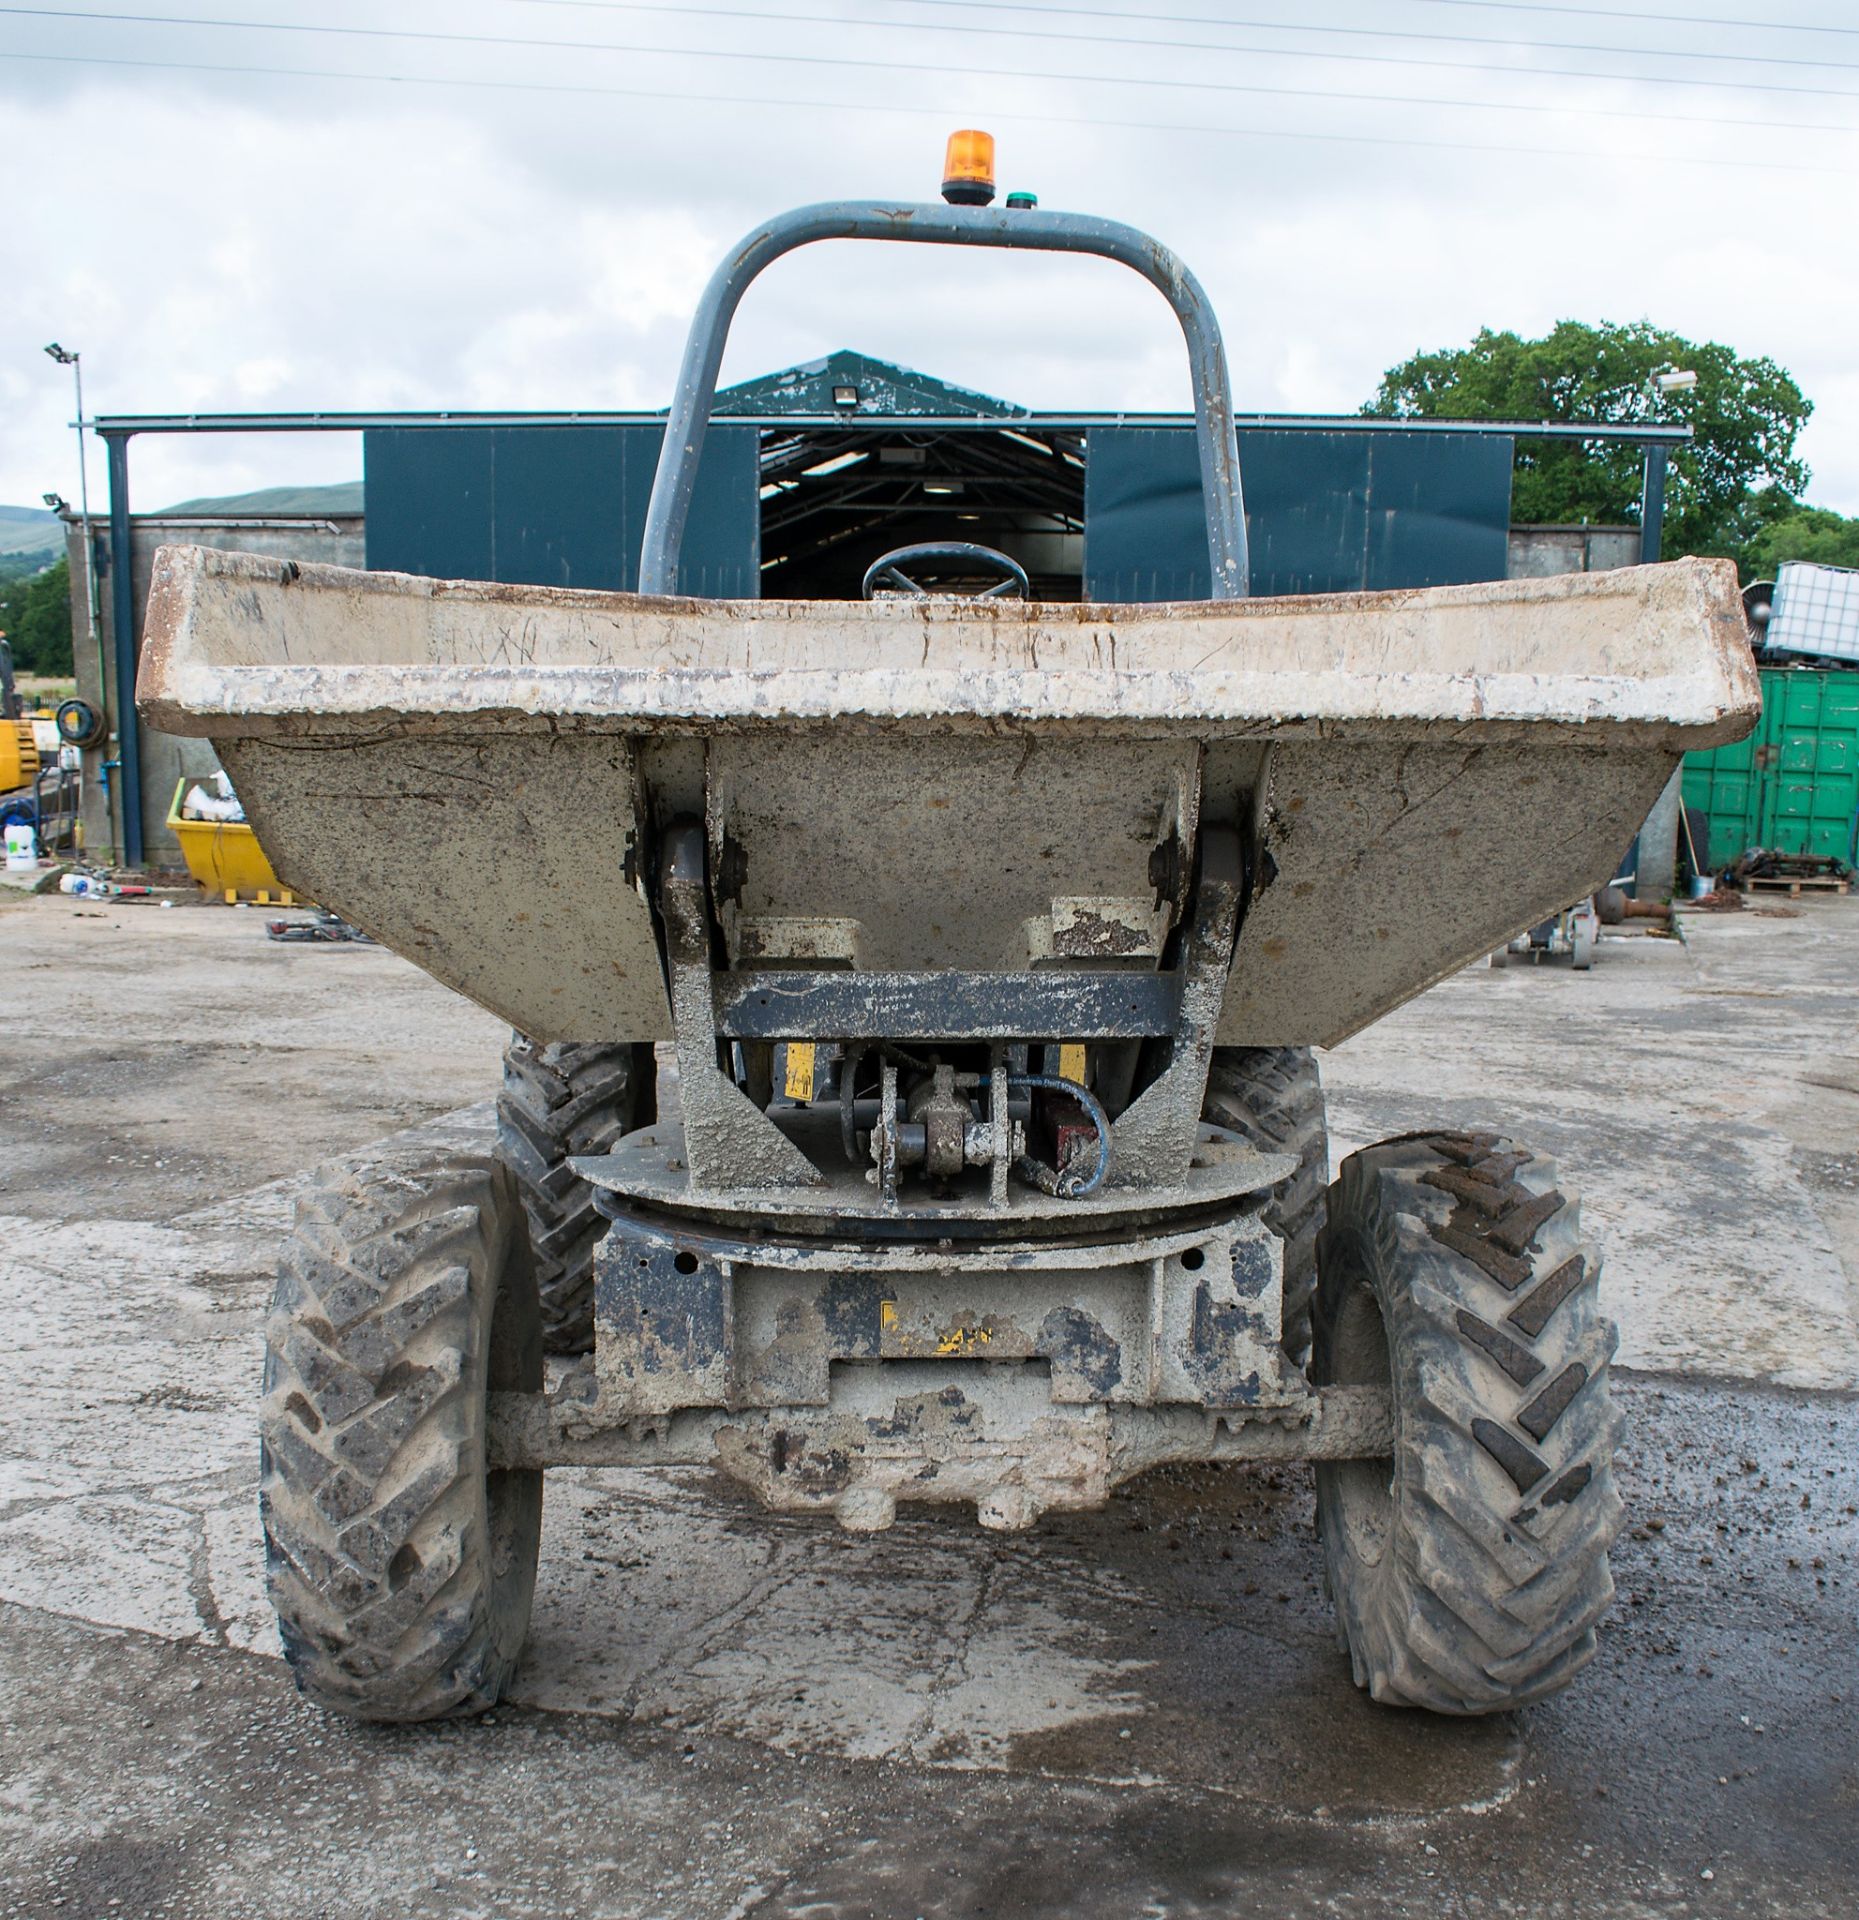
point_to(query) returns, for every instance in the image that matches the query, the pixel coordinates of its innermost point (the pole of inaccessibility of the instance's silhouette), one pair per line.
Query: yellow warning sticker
(914, 1339)
(1071, 1061)
(797, 1084)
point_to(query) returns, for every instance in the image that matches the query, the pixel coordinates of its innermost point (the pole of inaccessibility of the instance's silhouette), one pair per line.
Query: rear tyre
(559, 1101)
(1273, 1097)
(401, 1566)
(1469, 1569)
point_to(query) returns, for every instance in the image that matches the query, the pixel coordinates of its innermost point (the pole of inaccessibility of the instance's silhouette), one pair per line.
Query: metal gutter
(132, 423)
(288, 523)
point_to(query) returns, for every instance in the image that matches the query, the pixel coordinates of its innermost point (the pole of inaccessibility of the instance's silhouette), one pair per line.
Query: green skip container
(1793, 785)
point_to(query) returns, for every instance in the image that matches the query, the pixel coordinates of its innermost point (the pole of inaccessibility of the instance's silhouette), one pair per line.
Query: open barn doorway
(861, 457)
(833, 502)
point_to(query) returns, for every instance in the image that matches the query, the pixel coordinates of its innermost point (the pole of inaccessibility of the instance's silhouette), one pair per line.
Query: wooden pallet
(1814, 882)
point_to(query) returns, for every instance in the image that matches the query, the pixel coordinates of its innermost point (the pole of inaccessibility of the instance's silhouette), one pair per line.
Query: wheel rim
(505, 1494)
(513, 1363)
(1359, 1357)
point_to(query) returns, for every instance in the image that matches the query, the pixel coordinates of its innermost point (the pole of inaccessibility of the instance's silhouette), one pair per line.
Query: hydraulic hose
(1063, 1183)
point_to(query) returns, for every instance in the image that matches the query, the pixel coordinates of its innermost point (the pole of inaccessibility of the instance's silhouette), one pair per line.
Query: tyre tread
(391, 1292)
(1487, 1594)
(558, 1101)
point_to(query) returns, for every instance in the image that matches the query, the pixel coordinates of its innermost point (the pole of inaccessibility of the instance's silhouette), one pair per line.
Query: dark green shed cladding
(1327, 512)
(555, 506)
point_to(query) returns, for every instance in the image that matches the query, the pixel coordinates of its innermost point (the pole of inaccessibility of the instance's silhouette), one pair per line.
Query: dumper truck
(914, 1097)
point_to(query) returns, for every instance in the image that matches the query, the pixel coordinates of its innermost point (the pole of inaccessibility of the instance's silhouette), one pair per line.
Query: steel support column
(1652, 504)
(123, 628)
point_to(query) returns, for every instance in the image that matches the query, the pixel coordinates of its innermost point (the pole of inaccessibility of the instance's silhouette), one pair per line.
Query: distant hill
(340, 497)
(29, 534)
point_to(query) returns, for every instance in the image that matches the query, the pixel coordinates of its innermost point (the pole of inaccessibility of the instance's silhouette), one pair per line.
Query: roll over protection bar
(935, 225)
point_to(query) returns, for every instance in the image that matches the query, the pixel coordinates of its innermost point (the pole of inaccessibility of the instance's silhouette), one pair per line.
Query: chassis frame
(839, 1343)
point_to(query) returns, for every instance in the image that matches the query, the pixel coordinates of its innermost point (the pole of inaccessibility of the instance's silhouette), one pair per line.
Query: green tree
(1746, 415)
(35, 617)
(1796, 532)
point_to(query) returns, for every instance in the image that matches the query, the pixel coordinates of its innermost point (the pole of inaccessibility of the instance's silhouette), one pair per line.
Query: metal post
(93, 612)
(1656, 872)
(123, 622)
(1652, 504)
(83, 508)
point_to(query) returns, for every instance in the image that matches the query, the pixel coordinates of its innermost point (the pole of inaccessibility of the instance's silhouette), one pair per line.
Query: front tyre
(1469, 1569)
(401, 1567)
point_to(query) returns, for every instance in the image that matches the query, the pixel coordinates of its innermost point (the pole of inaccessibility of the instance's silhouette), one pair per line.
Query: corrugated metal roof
(883, 388)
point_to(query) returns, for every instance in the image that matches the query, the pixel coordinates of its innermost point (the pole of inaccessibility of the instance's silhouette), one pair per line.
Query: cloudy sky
(269, 204)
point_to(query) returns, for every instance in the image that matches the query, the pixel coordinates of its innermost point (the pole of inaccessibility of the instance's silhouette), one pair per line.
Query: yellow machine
(19, 751)
(19, 755)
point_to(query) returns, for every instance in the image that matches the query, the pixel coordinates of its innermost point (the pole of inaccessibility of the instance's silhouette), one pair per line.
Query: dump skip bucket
(942, 784)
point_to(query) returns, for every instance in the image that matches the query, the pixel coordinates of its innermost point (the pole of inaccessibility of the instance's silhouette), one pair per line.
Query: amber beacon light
(968, 168)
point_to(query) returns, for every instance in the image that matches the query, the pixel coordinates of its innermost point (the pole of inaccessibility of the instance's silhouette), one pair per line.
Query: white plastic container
(1816, 611)
(22, 848)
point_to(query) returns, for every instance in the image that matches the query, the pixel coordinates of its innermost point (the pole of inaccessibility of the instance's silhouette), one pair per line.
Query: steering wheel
(961, 557)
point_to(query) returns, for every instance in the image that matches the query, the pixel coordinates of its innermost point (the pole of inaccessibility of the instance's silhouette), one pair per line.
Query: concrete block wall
(1541, 550)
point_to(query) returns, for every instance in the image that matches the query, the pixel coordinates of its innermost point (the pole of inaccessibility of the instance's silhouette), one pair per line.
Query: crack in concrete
(200, 1586)
(954, 1669)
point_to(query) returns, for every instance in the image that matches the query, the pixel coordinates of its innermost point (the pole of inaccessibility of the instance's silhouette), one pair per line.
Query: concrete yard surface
(724, 1713)
(1704, 1099)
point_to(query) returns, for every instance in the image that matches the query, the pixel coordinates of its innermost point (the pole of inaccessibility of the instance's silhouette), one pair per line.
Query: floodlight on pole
(56, 501)
(69, 357)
